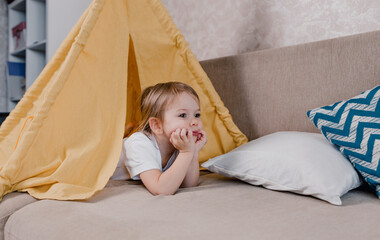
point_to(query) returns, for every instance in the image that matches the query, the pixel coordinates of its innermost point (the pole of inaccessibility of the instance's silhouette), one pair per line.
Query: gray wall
(3, 55)
(216, 28)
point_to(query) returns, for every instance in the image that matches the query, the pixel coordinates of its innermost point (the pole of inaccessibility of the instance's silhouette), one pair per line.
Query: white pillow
(304, 163)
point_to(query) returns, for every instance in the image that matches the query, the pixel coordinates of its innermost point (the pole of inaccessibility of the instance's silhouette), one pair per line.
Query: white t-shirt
(139, 154)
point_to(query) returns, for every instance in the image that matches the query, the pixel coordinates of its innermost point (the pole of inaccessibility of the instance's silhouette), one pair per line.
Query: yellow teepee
(64, 138)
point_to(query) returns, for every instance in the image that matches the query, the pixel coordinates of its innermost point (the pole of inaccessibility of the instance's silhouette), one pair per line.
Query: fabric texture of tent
(64, 138)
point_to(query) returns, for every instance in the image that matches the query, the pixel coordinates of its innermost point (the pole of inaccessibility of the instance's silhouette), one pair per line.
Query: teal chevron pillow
(354, 126)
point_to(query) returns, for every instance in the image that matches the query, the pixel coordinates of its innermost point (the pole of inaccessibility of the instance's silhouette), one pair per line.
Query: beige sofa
(265, 91)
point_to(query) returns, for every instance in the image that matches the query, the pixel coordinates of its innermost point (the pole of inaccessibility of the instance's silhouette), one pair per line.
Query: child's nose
(194, 122)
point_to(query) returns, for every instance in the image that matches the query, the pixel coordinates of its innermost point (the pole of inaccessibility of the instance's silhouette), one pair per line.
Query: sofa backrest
(271, 90)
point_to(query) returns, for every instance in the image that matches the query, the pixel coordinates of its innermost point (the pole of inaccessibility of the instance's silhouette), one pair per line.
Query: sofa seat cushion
(219, 208)
(10, 204)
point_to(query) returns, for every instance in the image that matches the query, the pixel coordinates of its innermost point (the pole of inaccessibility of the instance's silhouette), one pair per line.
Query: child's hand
(200, 141)
(182, 139)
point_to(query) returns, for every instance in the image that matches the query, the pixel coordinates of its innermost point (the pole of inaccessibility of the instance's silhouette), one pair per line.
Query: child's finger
(202, 136)
(203, 133)
(173, 140)
(175, 135)
(199, 136)
(184, 134)
(189, 135)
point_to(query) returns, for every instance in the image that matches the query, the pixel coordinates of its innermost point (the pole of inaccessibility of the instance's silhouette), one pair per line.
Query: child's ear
(155, 125)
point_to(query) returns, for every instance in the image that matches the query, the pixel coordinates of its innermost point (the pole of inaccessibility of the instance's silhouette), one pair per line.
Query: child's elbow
(165, 192)
(193, 183)
(162, 193)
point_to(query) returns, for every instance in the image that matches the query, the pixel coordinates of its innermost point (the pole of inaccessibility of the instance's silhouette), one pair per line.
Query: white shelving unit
(47, 24)
(34, 53)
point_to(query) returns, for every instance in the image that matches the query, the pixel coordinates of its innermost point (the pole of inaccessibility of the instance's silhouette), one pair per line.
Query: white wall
(61, 18)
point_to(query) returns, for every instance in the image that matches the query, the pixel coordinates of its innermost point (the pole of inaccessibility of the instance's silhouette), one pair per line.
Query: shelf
(33, 12)
(18, 5)
(38, 46)
(19, 53)
(40, 15)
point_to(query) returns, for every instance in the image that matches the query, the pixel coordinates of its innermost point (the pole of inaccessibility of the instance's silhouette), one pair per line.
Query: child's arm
(168, 182)
(192, 175)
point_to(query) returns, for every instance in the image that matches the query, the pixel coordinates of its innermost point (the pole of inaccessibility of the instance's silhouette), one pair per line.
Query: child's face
(182, 112)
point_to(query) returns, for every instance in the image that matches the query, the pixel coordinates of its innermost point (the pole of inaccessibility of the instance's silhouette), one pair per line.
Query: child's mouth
(195, 133)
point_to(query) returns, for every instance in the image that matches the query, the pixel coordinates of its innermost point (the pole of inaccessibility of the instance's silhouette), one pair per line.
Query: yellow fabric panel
(28, 106)
(11, 127)
(75, 112)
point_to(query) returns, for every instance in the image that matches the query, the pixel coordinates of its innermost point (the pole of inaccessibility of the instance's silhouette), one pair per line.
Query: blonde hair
(154, 99)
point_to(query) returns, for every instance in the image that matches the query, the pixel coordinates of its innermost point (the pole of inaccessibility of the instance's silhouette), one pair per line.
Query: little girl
(164, 151)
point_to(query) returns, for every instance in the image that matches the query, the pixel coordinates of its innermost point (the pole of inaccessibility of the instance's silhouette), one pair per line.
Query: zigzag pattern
(354, 126)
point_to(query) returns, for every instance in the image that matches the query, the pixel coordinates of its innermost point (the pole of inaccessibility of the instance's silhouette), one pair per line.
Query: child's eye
(198, 115)
(182, 115)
